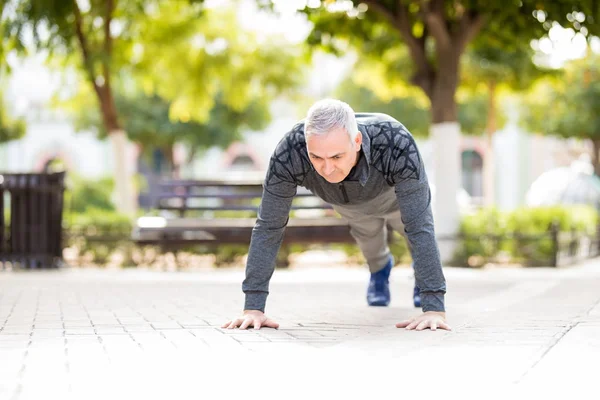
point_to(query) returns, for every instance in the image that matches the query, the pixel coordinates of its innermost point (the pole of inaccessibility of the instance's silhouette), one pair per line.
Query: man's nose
(328, 168)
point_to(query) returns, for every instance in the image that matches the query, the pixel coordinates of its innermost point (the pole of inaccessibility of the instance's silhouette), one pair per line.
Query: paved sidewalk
(89, 333)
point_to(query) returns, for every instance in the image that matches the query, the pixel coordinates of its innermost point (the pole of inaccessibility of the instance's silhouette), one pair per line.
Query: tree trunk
(489, 180)
(169, 151)
(124, 200)
(445, 136)
(439, 81)
(595, 156)
(443, 103)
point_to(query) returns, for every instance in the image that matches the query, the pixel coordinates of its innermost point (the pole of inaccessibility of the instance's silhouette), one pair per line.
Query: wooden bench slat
(201, 223)
(236, 208)
(224, 196)
(179, 196)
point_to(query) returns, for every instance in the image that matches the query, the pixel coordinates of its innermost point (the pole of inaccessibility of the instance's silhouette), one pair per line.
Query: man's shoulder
(293, 139)
(393, 149)
(383, 129)
(289, 161)
(374, 118)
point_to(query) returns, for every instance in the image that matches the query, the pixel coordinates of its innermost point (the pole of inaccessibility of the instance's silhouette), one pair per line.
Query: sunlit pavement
(139, 334)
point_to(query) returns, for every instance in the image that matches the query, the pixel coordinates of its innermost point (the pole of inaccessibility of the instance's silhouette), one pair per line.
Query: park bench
(211, 212)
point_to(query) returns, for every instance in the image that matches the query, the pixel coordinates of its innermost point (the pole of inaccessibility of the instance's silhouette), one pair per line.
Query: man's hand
(429, 319)
(254, 318)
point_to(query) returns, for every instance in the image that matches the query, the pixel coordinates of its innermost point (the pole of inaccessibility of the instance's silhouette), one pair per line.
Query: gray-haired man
(369, 168)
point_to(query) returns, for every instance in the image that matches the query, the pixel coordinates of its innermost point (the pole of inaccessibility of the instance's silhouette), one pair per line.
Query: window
(472, 173)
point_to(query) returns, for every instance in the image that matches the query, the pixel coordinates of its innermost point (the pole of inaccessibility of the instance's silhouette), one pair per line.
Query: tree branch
(424, 75)
(433, 15)
(416, 46)
(107, 42)
(469, 26)
(87, 60)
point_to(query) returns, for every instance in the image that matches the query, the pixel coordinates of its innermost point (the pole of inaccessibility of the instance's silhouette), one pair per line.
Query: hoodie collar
(362, 168)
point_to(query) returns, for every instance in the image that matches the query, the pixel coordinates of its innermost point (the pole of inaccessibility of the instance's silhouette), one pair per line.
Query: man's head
(332, 139)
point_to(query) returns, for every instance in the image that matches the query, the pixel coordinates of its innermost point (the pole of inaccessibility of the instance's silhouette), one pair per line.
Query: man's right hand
(254, 318)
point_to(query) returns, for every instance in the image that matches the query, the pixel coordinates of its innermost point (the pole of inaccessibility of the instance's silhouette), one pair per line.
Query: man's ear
(358, 140)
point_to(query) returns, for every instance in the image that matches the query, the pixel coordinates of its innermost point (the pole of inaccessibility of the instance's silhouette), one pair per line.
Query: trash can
(31, 208)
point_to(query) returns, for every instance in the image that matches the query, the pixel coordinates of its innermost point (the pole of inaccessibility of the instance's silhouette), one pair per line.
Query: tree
(147, 122)
(412, 110)
(66, 28)
(434, 34)
(408, 109)
(180, 50)
(568, 106)
(488, 69)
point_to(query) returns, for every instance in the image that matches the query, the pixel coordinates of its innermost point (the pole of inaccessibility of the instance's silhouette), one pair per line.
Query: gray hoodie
(390, 160)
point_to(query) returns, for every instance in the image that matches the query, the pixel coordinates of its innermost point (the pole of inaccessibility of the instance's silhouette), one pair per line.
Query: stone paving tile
(508, 325)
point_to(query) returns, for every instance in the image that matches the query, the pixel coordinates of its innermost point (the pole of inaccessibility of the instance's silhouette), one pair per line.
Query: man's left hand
(429, 319)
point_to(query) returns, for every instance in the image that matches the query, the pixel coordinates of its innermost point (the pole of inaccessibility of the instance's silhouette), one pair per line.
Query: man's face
(333, 154)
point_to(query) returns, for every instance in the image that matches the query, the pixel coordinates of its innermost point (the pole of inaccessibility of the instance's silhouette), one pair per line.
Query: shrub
(522, 235)
(97, 234)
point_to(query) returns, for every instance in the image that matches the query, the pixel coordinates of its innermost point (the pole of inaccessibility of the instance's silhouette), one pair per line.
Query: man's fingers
(271, 324)
(246, 323)
(257, 324)
(412, 325)
(433, 325)
(445, 326)
(226, 324)
(234, 324)
(423, 325)
(403, 324)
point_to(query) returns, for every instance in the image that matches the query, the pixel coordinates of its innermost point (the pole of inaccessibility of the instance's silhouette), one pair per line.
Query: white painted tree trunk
(124, 169)
(447, 166)
(489, 174)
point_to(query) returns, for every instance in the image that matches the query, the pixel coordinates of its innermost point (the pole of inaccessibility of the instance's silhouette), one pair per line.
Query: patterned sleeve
(407, 175)
(283, 176)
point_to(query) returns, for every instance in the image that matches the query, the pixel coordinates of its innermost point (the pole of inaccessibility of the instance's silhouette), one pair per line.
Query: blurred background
(502, 96)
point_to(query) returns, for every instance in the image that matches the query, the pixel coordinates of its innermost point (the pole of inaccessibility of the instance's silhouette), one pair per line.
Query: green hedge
(520, 236)
(97, 234)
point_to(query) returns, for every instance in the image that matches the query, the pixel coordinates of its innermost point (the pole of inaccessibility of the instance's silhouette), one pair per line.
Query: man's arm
(417, 217)
(414, 199)
(267, 236)
(286, 167)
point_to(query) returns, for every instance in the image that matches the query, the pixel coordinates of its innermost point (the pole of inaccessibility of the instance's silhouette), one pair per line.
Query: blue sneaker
(378, 293)
(417, 296)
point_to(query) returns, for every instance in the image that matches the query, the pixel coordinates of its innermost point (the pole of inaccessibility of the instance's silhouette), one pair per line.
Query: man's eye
(336, 157)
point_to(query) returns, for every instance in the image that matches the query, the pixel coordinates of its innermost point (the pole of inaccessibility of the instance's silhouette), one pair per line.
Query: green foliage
(374, 25)
(175, 69)
(146, 121)
(85, 194)
(10, 129)
(407, 110)
(474, 111)
(97, 234)
(537, 220)
(196, 62)
(92, 226)
(522, 235)
(419, 41)
(567, 105)
(482, 233)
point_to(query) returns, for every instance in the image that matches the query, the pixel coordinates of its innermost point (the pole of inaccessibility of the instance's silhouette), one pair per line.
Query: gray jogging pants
(368, 225)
